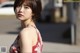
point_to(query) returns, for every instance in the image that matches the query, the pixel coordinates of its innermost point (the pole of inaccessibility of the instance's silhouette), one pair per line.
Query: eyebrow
(26, 4)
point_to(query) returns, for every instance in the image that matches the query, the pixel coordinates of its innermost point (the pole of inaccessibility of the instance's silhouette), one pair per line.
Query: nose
(21, 9)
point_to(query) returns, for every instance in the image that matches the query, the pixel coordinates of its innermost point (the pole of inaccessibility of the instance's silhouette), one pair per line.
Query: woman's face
(23, 12)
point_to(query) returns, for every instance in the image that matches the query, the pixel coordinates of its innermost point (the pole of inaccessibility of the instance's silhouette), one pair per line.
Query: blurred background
(58, 24)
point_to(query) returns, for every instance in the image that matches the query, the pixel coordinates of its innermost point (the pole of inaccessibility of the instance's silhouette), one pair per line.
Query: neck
(27, 23)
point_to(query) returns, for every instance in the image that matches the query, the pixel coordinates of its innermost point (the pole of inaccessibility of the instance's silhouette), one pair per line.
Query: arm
(25, 41)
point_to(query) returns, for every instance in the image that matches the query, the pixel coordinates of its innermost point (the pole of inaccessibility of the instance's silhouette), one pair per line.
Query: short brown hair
(35, 5)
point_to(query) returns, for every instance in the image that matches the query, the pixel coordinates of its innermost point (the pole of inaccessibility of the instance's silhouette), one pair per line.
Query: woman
(29, 39)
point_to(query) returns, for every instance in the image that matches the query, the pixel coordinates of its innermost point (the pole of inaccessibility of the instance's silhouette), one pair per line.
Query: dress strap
(34, 26)
(36, 30)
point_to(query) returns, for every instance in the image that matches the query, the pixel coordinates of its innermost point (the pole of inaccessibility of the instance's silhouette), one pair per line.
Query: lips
(20, 15)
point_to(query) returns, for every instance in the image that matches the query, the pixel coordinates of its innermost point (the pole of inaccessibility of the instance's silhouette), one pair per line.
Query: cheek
(28, 13)
(16, 12)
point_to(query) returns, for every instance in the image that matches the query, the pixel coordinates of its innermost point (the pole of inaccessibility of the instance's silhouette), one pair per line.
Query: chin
(21, 18)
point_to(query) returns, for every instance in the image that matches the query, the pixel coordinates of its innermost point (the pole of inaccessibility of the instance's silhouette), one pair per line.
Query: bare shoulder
(29, 31)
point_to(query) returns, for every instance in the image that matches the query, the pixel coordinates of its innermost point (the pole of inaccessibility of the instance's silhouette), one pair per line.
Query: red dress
(38, 47)
(35, 49)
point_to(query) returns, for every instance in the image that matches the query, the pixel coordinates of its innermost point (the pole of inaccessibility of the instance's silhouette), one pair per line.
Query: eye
(26, 7)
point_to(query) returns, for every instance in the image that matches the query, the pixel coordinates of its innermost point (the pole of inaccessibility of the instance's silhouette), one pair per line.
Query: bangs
(26, 2)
